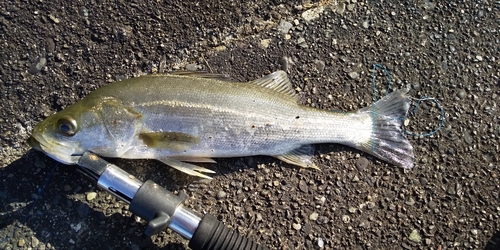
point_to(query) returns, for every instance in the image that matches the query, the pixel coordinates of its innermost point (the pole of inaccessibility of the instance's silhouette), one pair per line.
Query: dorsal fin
(277, 81)
(200, 74)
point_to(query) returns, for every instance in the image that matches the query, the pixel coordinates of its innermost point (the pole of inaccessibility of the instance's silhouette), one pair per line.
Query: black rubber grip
(212, 234)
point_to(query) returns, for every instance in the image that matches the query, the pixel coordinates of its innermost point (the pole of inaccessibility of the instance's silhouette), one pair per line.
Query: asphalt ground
(53, 53)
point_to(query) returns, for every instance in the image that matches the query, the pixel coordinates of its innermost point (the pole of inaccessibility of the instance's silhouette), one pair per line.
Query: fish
(182, 118)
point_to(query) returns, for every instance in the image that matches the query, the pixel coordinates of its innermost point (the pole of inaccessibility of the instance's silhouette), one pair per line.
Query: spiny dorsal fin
(201, 74)
(277, 81)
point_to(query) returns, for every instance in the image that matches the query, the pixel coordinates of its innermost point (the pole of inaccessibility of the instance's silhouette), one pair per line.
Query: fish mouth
(55, 150)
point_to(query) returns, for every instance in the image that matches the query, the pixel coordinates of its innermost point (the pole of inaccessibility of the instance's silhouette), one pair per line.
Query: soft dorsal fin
(277, 81)
(200, 74)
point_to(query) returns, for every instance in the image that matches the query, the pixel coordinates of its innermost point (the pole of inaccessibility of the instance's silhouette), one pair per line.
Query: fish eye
(67, 126)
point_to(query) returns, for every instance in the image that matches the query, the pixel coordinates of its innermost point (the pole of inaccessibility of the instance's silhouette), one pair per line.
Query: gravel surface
(52, 53)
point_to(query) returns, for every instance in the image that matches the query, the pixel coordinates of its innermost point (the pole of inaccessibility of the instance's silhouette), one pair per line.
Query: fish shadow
(494, 242)
(38, 201)
(48, 200)
(43, 199)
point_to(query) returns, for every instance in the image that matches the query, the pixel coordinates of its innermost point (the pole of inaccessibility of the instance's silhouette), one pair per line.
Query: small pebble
(416, 86)
(91, 196)
(340, 8)
(220, 48)
(355, 178)
(468, 138)
(461, 94)
(77, 227)
(352, 210)
(410, 202)
(34, 241)
(361, 163)
(265, 43)
(321, 243)
(415, 236)
(284, 27)
(451, 190)
(406, 122)
(432, 204)
(221, 194)
(320, 65)
(296, 226)
(353, 75)
(423, 181)
(322, 220)
(366, 24)
(346, 218)
(51, 46)
(312, 14)
(54, 19)
(21, 243)
(258, 217)
(301, 42)
(275, 15)
(37, 66)
(192, 67)
(67, 188)
(313, 216)
(192, 187)
(84, 12)
(303, 186)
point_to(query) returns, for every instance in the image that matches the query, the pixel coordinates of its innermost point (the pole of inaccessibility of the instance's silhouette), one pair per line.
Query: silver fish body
(185, 118)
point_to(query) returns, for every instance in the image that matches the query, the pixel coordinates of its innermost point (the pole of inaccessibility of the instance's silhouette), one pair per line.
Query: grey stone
(284, 27)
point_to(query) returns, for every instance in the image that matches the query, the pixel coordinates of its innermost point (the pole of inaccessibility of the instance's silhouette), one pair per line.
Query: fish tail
(388, 142)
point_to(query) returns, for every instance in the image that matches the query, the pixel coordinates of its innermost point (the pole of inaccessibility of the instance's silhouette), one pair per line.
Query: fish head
(103, 127)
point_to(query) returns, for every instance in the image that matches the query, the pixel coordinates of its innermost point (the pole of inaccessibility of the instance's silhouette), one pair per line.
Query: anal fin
(187, 168)
(301, 157)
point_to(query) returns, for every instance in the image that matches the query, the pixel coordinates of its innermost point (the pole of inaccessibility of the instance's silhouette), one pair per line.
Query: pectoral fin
(168, 140)
(187, 167)
(301, 157)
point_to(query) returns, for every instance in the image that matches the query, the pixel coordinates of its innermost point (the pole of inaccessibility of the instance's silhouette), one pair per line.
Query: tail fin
(388, 142)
